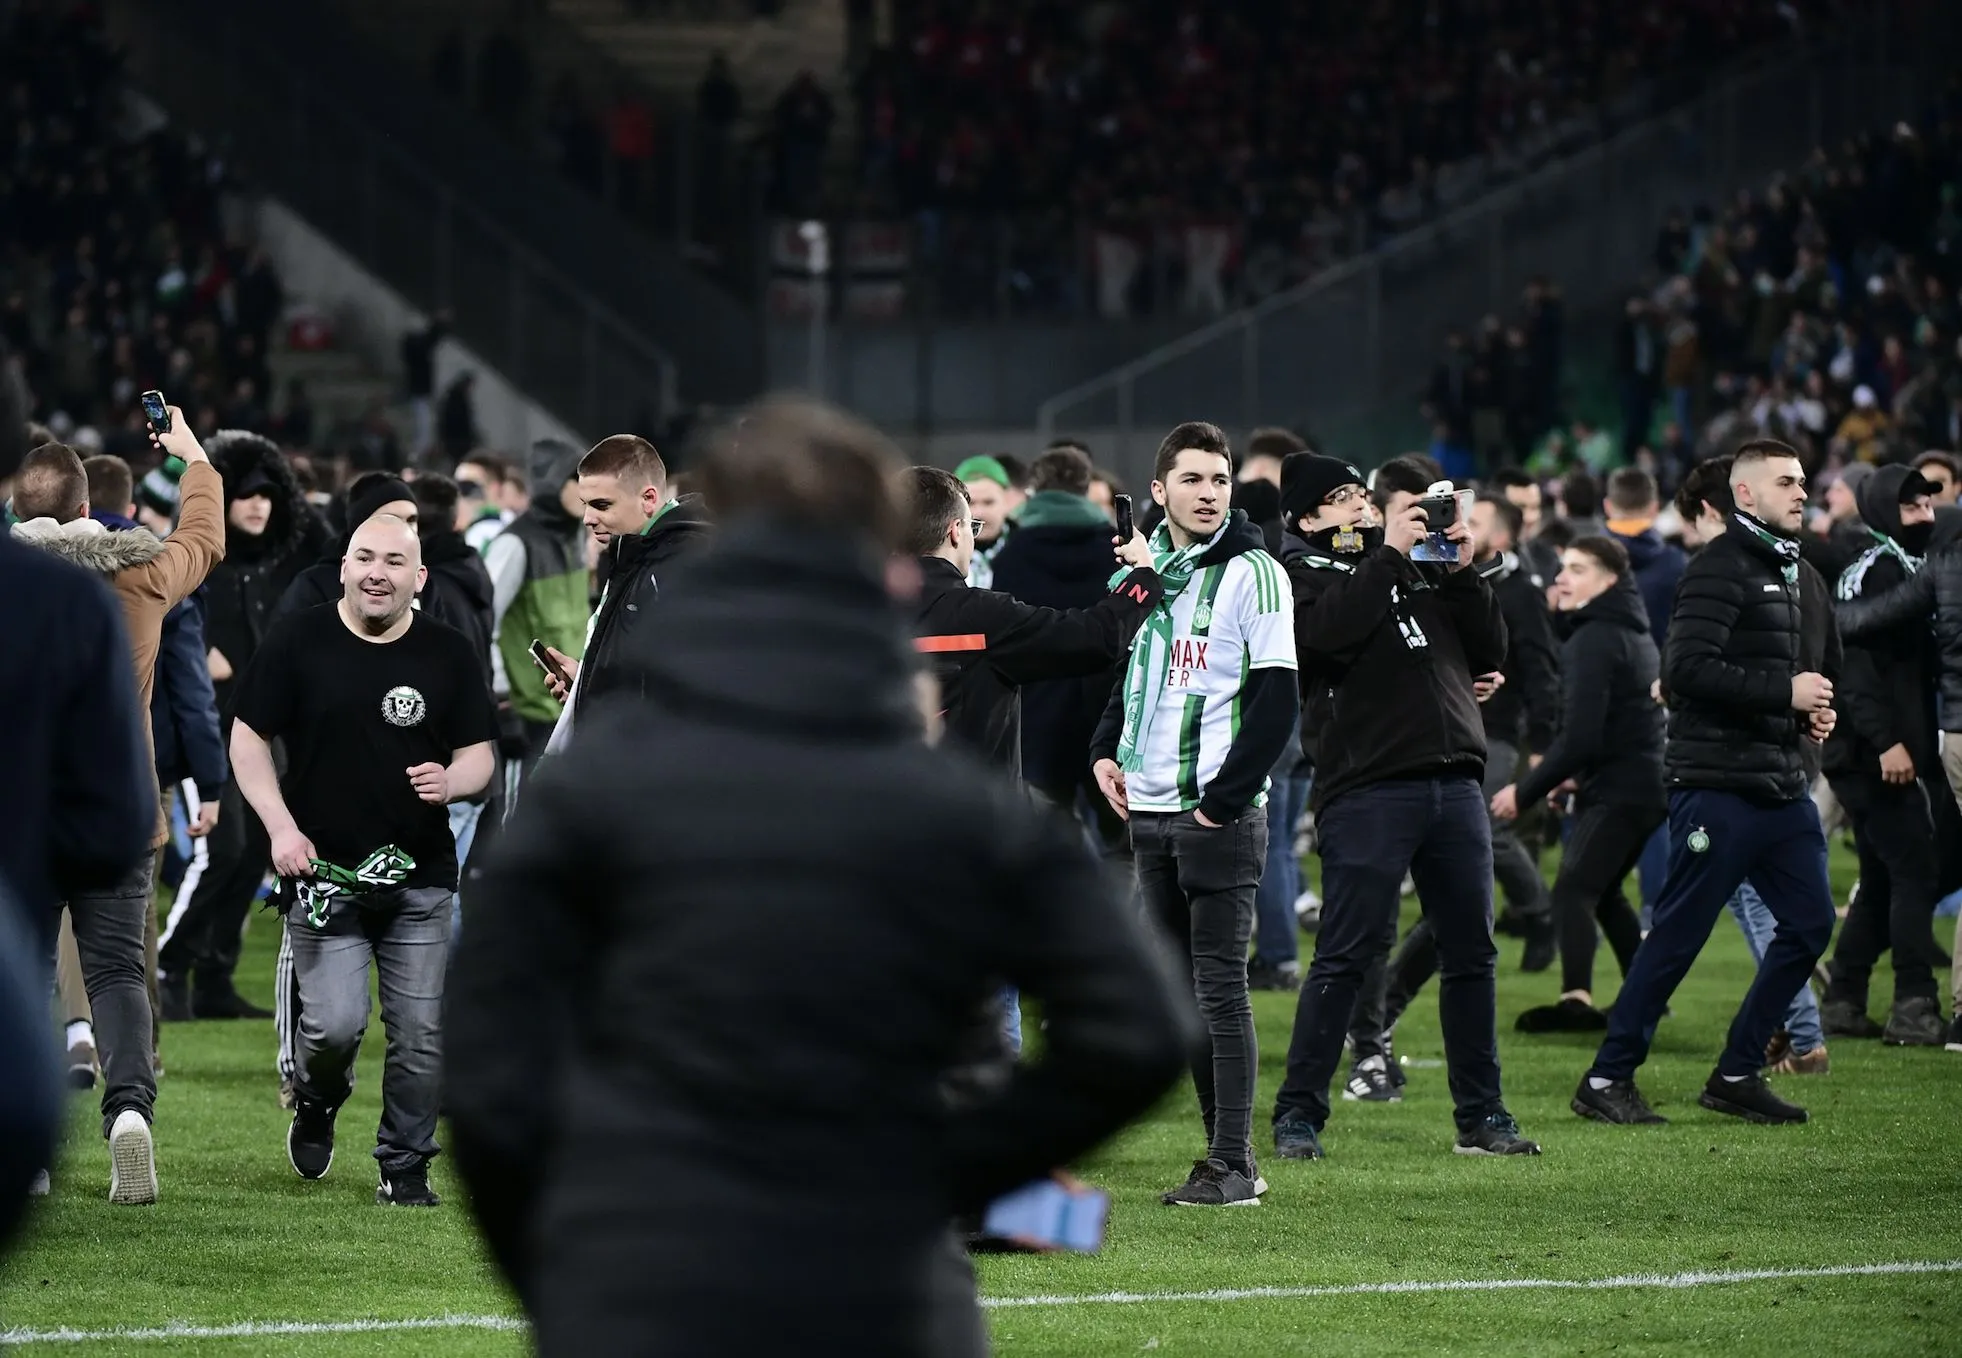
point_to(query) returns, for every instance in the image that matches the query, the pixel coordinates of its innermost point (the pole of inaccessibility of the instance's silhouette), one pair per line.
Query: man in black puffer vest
(1882, 761)
(1739, 708)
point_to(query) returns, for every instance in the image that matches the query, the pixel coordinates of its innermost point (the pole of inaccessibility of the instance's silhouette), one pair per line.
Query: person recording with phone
(1389, 650)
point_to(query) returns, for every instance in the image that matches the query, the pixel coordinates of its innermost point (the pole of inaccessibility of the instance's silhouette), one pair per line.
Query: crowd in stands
(118, 269)
(1145, 119)
(1824, 309)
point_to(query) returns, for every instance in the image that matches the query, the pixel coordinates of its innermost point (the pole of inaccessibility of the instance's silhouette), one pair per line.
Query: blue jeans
(1716, 840)
(463, 829)
(1011, 1019)
(1755, 919)
(1276, 941)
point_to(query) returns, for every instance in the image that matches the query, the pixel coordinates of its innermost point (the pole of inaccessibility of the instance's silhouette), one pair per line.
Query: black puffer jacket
(1733, 652)
(756, 1000)
(635, 567)
(1387, 650)
(1610, 739)
(1933, 592)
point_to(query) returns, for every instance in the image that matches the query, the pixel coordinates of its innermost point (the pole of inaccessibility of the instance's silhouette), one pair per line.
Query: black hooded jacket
(1388, 649)
(1525, 712)
(1734, 649)
(1933, 592)
(1063, 566)
(1886, 695)
(669, 1059)
(1610, 739)
(634, 568)
(243, 592)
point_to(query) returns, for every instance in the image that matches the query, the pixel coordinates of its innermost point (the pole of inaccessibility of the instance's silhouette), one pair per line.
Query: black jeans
(1198, 885)
(1437, 829)
(1516, 868)
(201, 936)
(1606, 844)
(109, 939)
(1894, 830)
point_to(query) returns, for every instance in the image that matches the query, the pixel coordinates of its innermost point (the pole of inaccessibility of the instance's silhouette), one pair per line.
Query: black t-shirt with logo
(356, 716)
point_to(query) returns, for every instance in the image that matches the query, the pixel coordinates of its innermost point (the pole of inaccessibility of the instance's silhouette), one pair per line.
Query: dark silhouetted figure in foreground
(695, 1075)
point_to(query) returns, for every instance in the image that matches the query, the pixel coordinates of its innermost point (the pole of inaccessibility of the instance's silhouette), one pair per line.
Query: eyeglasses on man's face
(1341, 495)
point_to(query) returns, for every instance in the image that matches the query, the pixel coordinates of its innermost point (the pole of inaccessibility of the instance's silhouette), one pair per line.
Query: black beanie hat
(362, 504)
(1308, 479)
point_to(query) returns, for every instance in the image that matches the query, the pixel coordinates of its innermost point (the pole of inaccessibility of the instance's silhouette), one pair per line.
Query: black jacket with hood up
(663, 1093)
(1610, 739)
(1885, 695)
(633, 568)
(243, 591)
(458, 592)
(1388, 649)
(1932, 593)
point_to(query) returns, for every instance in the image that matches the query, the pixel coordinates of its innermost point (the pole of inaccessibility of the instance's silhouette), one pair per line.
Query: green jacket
(552, 605)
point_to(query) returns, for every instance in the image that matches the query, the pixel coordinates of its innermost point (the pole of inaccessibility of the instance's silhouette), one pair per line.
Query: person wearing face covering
(1884, 765)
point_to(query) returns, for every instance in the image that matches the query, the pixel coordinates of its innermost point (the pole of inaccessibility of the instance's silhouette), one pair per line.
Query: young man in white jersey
(1207, 702)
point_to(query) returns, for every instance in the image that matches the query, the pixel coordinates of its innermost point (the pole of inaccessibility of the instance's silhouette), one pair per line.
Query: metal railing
(292, 133)
(1335, 353)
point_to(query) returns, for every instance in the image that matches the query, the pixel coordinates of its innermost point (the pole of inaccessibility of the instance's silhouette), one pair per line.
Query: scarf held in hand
(386, 867)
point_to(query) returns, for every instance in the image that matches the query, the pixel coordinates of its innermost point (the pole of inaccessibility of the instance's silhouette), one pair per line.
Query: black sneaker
(1541, 946)
(174, 999)
(225, 1003)
(1286, 976)
(1954, 1042)
(1390, 1060)
(1297, 1139)
(406, 1188)
(1212, 1184)
(1497, 1135)
(1621, 1103)
(1914, 1023)
(1568, 1016)
(310, 1140)
(1369, 1082)
(1844, 1018)
(1749, 1098)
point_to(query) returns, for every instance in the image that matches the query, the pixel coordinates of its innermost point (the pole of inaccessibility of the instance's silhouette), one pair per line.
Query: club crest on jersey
(1347, 539)
(403, 706)
(1202, 616)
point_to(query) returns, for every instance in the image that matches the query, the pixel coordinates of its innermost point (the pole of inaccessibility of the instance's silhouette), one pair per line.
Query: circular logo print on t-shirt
(403, 706)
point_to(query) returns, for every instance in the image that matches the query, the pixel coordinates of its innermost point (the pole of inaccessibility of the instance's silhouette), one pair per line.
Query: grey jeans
(1198, 886)
(109, 940)
(406, 932)
(1518, 875)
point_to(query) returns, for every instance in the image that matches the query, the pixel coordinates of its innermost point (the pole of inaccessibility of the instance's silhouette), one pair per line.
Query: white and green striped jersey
(1228, 621)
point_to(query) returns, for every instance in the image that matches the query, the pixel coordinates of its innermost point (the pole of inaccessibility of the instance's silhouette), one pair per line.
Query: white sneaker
(40, 1185)
(132, 1161)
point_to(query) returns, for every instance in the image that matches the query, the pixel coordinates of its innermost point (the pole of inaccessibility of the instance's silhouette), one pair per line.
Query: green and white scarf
(1144, 675)
(1853, 579)
(1787, 548)
(386, 867)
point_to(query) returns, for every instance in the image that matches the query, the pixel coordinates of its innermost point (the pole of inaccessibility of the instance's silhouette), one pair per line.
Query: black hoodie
(634, 568)
(243, 591)
(1886, 693)
(1610, 739)
(1388, 649)
(1934, 591)
(756, 1003)
(458, 592)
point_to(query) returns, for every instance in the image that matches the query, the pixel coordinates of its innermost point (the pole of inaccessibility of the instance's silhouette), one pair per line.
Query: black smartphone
(156, 411)
(543, 659)
(1120, 505)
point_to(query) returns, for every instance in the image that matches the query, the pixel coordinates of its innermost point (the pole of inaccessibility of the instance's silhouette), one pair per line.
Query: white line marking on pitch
(275, 1328)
